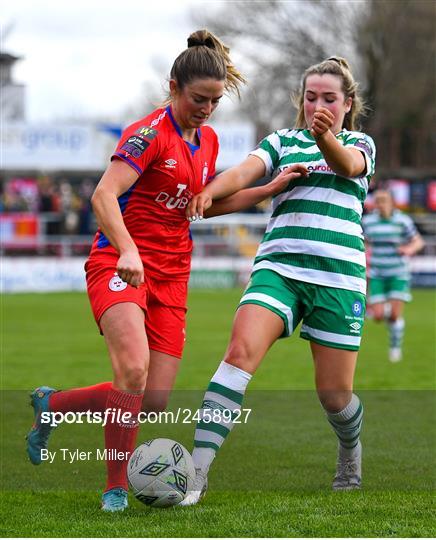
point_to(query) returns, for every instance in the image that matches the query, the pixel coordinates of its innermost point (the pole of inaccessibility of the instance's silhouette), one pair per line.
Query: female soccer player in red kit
(138, 269)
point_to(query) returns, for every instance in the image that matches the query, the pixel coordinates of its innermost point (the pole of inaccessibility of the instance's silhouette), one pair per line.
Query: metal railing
(231, 235)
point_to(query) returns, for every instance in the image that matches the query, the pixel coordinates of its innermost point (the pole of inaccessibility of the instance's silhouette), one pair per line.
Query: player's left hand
(322, 121)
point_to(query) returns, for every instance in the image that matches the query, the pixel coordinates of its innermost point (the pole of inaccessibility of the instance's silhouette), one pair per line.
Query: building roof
(6, 58)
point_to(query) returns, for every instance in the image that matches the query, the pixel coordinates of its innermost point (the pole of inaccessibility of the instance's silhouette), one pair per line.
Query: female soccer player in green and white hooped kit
(310, 265)
(393, 238)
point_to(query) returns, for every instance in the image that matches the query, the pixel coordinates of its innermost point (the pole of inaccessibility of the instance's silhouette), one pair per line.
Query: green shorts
(331, 317)
(388, 288)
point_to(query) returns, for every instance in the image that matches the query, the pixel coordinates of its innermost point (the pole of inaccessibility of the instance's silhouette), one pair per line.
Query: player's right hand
(405, 250)
(282, 180)
(322, 121)
(130, 268)
(198, 206)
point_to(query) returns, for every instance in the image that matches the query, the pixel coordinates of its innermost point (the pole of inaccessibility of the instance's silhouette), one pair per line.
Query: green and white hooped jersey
(385, 235)
(315, 233)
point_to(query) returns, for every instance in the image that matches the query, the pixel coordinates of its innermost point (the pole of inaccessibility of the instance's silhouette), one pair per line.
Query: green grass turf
(272, 478)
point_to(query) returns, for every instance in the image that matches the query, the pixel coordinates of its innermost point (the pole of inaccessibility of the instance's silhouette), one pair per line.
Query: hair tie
(194, 42)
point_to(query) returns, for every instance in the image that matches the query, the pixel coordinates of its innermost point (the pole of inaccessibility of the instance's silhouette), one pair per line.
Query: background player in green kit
(310, 265)
(392, 238)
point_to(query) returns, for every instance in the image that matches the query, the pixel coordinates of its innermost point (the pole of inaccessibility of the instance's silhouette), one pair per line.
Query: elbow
(352, 168)
(346, 170)
(352, 171)
(418, 243)
(97, 203)
(96, 198)
(93, 202)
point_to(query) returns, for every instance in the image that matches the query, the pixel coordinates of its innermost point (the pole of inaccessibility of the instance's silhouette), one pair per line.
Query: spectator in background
(13, 202)
(71, 205)
(49, 202)
(19, 195)
(392, 238)
(85, 212)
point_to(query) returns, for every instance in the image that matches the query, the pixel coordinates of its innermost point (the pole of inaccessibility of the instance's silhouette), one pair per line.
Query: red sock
(120, 437)
(91, 398)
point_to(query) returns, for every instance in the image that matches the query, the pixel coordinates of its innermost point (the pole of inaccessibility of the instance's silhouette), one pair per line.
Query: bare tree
(277, 41)
(391, 45)
(397, 42)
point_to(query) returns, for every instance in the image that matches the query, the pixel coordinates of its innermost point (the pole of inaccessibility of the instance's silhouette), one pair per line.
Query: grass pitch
(271, 478)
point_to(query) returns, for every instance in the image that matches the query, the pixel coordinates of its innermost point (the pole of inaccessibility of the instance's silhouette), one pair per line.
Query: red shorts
(163, 302)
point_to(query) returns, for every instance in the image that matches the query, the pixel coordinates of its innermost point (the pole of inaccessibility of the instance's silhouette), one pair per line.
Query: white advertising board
(44, 274)
(87, 147)
(55, 147)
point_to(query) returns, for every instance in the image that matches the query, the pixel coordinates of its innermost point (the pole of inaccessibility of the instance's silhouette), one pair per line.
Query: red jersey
(171, 171)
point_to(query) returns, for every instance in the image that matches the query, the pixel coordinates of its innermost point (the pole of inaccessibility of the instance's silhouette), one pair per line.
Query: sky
(93, 58)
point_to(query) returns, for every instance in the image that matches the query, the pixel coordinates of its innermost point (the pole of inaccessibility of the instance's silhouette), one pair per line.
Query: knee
(131, 377)
(395, 315)
(334, 401)
(378, 315)
(238, 354)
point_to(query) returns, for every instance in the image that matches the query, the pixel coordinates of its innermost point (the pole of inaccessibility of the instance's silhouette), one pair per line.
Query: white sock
(347, 425)
(224, 396)
(396, 333)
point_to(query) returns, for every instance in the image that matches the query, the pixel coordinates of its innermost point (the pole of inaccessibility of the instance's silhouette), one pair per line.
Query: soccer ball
(161, 472)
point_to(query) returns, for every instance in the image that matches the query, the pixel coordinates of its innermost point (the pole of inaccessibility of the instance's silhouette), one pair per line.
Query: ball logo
(116, 284)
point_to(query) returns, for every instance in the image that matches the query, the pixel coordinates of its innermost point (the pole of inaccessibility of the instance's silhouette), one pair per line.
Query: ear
(348, 103)
(173, 88)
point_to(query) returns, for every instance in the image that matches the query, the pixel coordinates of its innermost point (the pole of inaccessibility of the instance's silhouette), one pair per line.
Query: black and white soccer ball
(161, 472)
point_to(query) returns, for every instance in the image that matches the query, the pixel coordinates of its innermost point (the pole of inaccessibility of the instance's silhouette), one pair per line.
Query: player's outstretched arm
(246, 198)
(412, 247)
(116, 180)
(225, 184)
(348, 162)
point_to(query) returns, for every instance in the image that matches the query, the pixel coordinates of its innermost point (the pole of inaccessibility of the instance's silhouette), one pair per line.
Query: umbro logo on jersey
(355, 327)
(170, 163)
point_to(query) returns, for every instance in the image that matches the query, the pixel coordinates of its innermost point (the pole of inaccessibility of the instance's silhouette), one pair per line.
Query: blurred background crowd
(50, 169)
